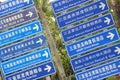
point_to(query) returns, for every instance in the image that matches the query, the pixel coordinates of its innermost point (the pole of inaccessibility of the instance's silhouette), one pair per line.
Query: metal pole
(1, 77)
(52, 45)
(48, 78)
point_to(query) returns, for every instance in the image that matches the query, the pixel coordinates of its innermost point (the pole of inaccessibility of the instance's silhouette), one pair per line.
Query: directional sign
(87, 27)
(18, 18)
(14, 5)
(90, 10)
(61, 5)
(33, 73)
(22, 47)
(25, 61)
(92, 42)
(100, 72)
(95, 57)
(1, 1)
(20, 32)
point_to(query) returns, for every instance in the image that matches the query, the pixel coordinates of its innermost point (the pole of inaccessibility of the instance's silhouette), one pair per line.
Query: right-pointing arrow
(45, 54)
(30, 14)
(117, 50)
(36, 27)
(119, 66)
(39, 41)
(107, 20)
(48, 68)
(27, 1)
(110, 36)
(102, 5)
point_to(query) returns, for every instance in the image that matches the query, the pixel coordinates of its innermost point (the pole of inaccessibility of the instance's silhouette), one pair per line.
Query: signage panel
(18, 18)
(22, 47)
(14, 5)
(33, 73)
(88, 11)
(95, 57)
(88, 27)
(25, 61)
(20, 32)
(92, 42)
(100, 72)
(61, 5)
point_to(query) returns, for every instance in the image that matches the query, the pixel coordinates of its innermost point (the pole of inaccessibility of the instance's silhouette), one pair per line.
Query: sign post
(52, 45)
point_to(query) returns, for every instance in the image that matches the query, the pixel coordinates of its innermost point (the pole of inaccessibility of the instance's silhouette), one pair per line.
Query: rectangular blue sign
(14, 5)
(96, 57)
(92, 42)
(22, 47)
(61, 5)
(100, 72)
(1, 1)
(18, 18)
(20, 32)
(25, 61)
(33, 73)
(88, 27)
(88, 11)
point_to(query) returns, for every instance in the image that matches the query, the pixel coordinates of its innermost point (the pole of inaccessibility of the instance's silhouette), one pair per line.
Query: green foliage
(57, 37)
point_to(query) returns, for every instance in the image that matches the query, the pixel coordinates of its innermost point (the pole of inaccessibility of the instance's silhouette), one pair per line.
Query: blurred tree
(115, 4)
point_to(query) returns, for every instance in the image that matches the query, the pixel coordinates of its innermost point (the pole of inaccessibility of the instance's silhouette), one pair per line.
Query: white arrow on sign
(117, 50)
(111, 36)
(119, 66)
(36, 27)
(102, 5)
(30, 14)
(27, 1)
(39, 41)
(107, 20)
(45, 54)
(48, 68)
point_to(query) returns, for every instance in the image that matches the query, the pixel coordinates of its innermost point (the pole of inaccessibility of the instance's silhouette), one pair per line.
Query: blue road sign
(25, 61)
(18, 18)
(20, 32)
(14, 5)
(1, 1)
(92, 42)
(34, 73)
(61, 5)
(88, 11)
(22, 47)
(88, 27)
(100, 72)
(95, 57)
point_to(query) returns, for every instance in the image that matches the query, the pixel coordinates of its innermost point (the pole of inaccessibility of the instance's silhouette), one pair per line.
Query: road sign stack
(25, 54)
(87, 26)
